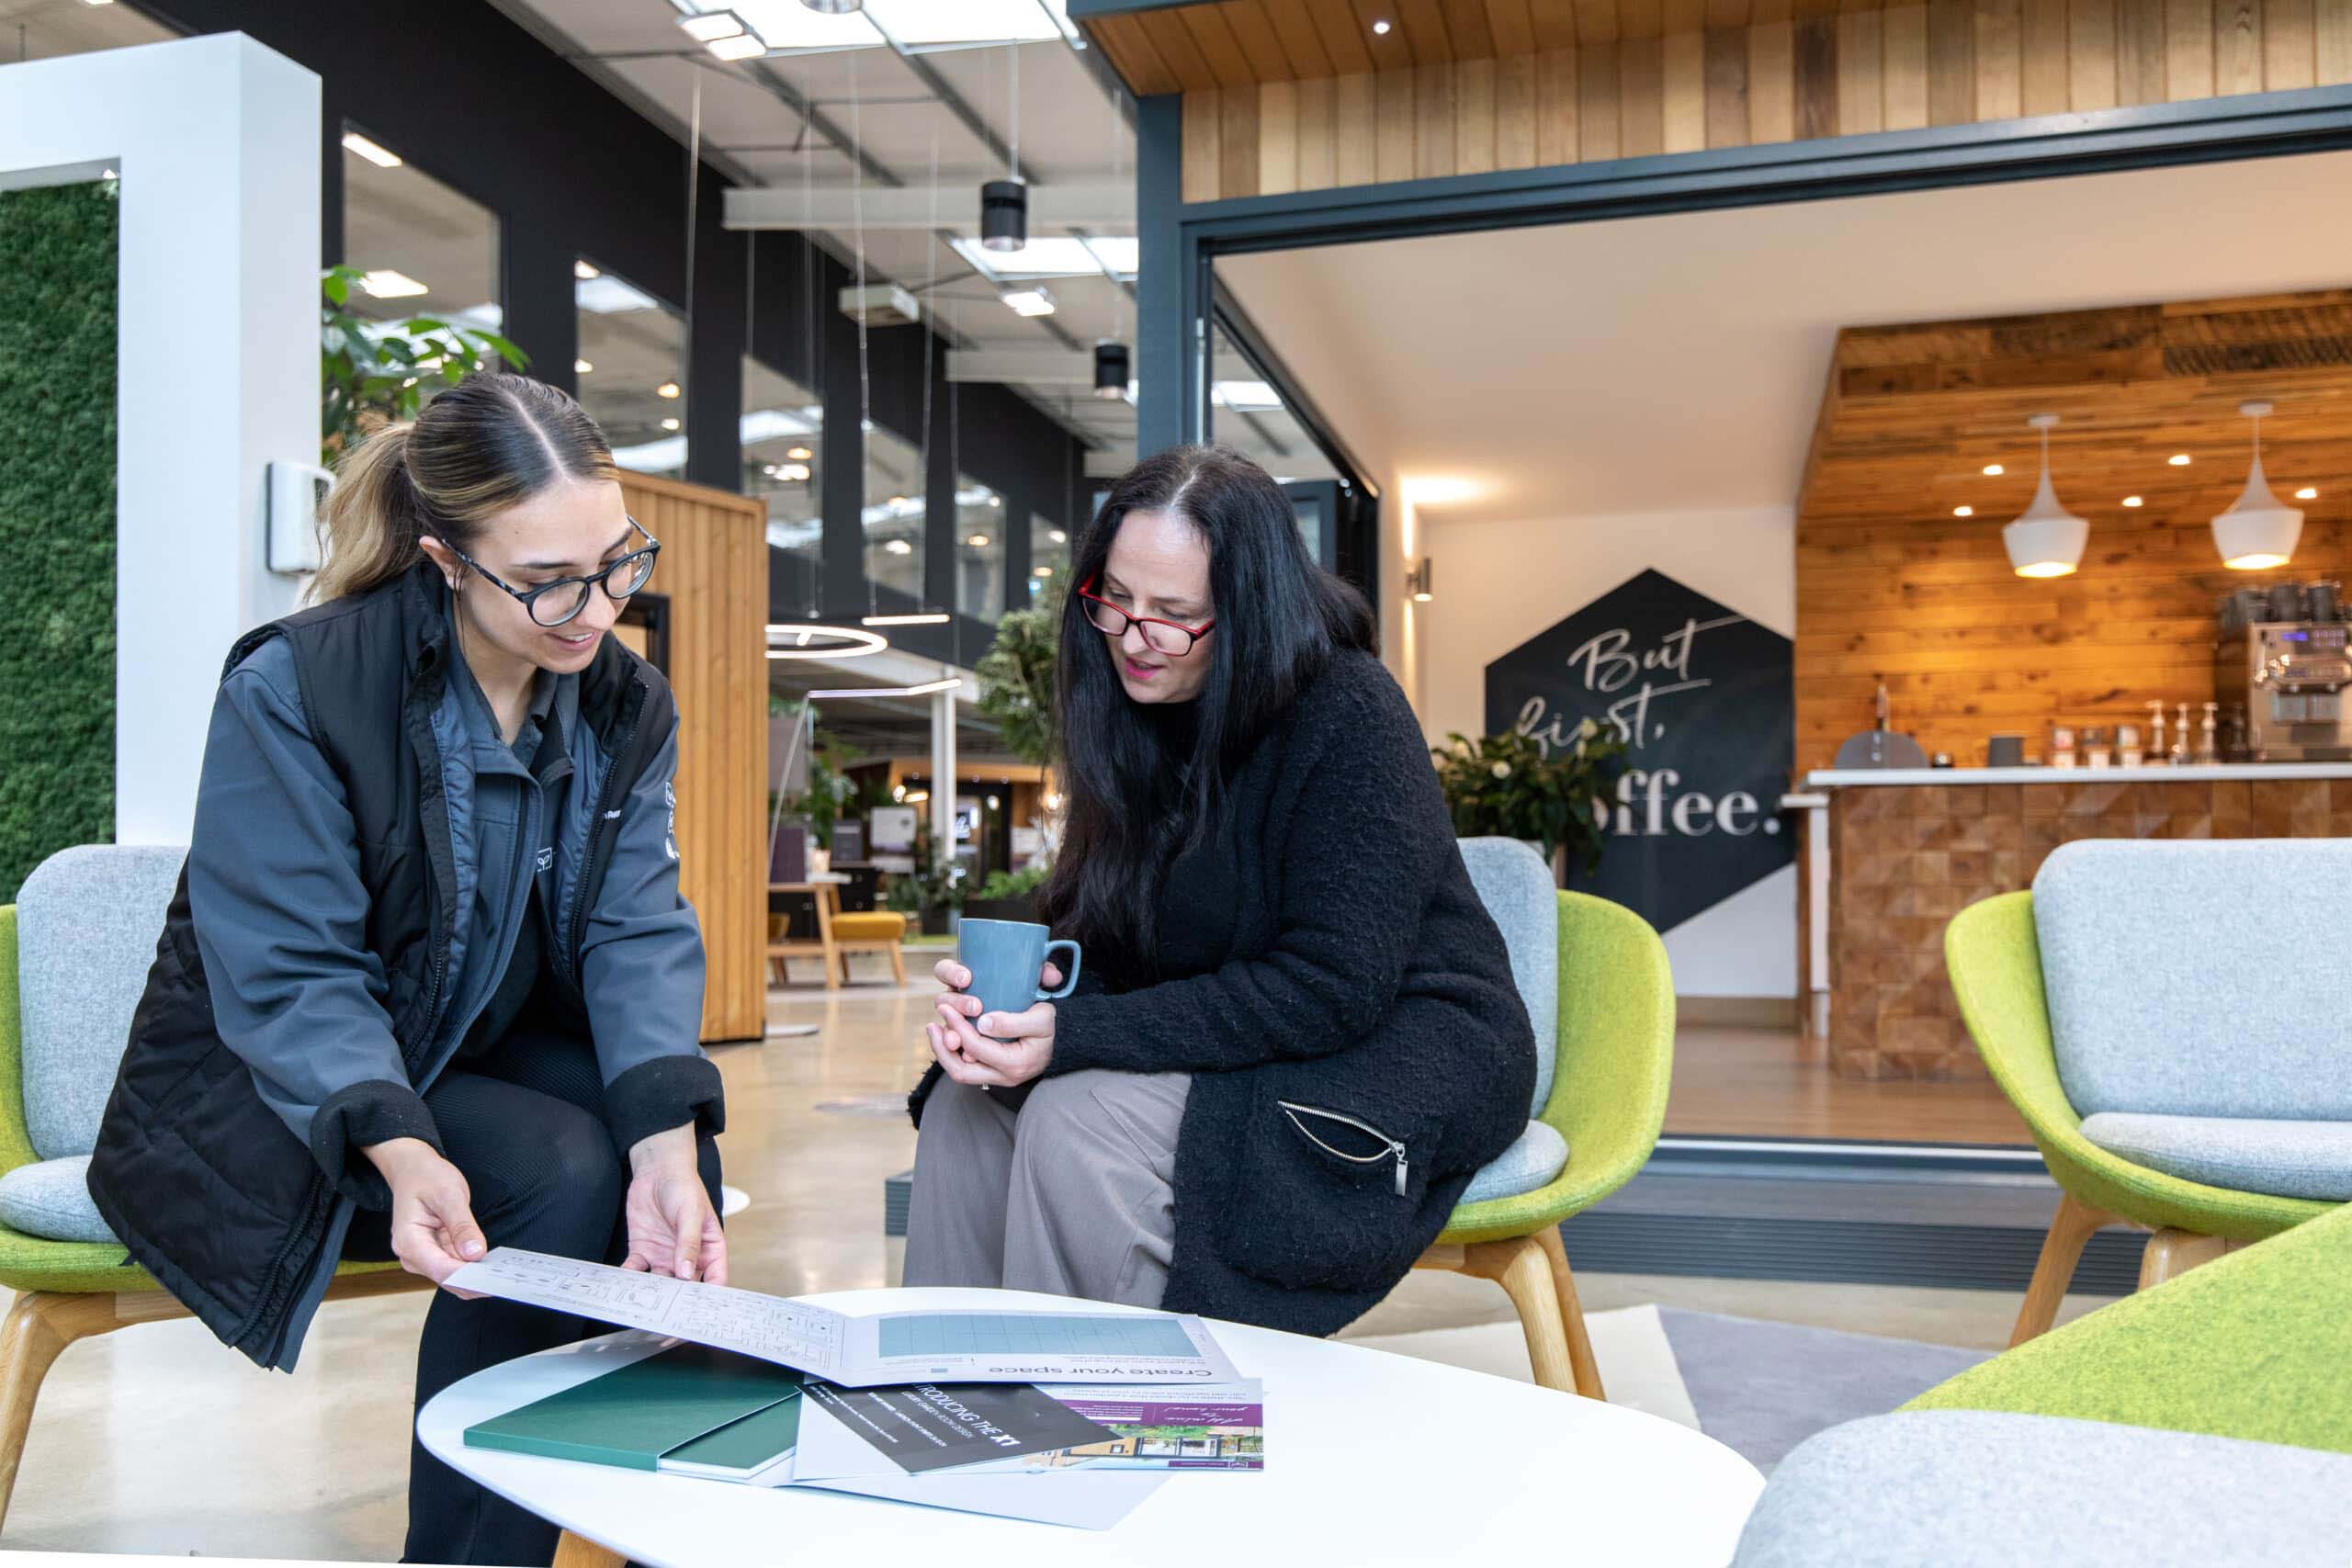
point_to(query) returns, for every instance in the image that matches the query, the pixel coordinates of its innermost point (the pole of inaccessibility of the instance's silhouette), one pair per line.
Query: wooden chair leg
(898, 964)
(39, 1326)
(2172, 1253)
(2070, 1230)
(1520, 1267)
(578, 1552)
(1581, 1363)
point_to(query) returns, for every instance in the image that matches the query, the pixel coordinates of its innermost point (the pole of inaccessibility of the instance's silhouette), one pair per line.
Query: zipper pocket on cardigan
(1395, 1151)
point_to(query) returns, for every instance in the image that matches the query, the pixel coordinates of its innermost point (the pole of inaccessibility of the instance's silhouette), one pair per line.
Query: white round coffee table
(1371, 1458)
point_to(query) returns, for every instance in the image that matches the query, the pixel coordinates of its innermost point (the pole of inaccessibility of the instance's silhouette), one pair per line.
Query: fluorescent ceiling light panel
(385, 284)
(1245, 397)
(1051, 255)
(608, 296)
(918, 23)
(1032, 301)
(375, 152)
(711, 26)
(743, 46)
(789, 25)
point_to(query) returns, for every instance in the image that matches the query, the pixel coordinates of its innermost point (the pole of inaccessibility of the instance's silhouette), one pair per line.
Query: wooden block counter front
(1905, 858)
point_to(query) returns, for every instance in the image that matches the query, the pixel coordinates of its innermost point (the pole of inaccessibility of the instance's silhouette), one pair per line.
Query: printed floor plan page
(864, 1352)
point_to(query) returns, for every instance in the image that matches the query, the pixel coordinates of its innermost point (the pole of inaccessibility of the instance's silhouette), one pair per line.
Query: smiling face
(572, 528)
(1158, 566)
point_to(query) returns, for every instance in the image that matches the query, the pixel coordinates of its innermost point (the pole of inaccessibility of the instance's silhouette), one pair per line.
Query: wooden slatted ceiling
(1278, 93)
(714, 570)
(1889, 582)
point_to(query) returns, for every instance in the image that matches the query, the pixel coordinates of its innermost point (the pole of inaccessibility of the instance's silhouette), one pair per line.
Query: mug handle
(1069, 983)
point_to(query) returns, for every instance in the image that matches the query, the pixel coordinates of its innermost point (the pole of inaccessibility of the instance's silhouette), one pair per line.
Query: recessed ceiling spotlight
(1963, 512)
(666, 390)
(1057, 536)
(1041, 571)
(792, 473)
(2178, 459)
(2132, 500)
(2307, 494)
(798, 453)
(899, 547)
(580, 367)
(978, 541)
(1380, 29)
(1992, 468)
(671, 424)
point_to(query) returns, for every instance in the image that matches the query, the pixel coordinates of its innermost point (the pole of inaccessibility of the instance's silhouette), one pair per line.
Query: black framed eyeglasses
(554, 604)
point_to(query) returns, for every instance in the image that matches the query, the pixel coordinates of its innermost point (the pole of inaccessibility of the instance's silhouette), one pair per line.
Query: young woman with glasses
(428, 987)
(1295, 1036)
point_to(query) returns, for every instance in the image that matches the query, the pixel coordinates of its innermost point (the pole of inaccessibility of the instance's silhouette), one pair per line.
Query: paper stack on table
(959, 1410)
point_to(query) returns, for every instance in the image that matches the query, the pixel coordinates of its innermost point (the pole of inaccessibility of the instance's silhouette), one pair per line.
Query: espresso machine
(2283, 662)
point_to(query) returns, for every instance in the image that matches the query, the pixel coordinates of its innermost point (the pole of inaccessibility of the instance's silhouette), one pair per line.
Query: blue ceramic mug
(1006, 958)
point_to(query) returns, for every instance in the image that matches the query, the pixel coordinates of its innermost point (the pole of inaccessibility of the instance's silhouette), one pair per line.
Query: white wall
(217, 141)
(1500, 583)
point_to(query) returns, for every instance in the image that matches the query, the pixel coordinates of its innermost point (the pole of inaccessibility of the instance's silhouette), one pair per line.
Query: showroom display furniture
(1995, 956)
(2206, 1421)
(87, 922)
(1601, 995)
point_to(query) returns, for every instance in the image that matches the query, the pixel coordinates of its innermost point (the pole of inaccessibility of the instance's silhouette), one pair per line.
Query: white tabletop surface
(1371, 1458)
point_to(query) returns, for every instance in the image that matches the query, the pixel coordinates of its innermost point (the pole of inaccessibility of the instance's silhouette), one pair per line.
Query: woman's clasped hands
(990, 1050)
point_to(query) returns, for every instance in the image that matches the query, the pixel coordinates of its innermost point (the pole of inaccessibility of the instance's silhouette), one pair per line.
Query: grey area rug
(1763, 1388)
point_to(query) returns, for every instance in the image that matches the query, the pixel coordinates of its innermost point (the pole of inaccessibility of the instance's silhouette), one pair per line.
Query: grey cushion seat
(51, 1199)
(1961, 1488)
(1516, 886)
(2289, 1159)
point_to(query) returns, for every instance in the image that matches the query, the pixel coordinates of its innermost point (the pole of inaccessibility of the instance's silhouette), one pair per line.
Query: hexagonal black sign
(1705, 699)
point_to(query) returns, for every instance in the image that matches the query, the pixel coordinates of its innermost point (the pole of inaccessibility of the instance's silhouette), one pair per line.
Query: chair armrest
(16, 1142)
(1616, 1063)
(1994, 961)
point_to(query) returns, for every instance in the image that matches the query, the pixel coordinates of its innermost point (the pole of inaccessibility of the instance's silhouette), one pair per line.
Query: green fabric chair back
(1994, 961)
(1615, 1061)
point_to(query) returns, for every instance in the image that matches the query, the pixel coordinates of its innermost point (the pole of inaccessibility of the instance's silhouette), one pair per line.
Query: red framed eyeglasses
(1171, 637)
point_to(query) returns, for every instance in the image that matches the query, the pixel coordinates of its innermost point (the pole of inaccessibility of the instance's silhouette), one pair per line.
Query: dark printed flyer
(933, 1426)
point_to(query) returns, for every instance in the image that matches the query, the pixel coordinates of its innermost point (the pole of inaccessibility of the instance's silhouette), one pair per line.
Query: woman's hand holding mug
(1024, 1042)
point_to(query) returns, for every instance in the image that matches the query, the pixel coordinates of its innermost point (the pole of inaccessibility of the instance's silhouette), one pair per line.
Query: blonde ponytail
(372, 520)
(489, 442)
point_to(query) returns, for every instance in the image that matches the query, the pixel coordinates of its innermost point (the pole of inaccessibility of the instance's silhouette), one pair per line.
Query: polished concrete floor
(157, 1439)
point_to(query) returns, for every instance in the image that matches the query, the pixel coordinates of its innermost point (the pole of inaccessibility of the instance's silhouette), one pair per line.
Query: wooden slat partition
(714, 570)
(1537, 85)
(1890, 582)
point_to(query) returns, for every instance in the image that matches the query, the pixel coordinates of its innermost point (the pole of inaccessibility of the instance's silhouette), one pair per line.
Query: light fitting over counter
(1417, 581)
(1004, 214)
(2259, 530)
(914, 618)
(1110, 370)
(2046, 540)
(814, 639)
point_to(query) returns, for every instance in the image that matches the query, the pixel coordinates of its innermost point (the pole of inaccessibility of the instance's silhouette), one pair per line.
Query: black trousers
(525, 1125)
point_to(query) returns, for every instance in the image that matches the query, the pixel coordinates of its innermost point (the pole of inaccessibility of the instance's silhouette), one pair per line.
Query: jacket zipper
(600, 834)
(1396, 1146)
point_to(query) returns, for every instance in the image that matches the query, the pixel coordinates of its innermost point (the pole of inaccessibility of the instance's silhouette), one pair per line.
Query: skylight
(789, 25)
(1053, 255)
(918, 23)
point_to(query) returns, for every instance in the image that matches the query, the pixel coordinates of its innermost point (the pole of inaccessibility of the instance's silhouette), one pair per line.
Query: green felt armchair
(1994, 960)
(1615, 1058)
(72, 1290)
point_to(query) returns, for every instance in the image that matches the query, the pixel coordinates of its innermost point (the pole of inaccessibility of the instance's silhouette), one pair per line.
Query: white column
(217, 367)
(942, 771)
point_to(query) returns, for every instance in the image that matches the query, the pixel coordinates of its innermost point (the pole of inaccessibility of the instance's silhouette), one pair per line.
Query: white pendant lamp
(2046, 540)
(2259, 531)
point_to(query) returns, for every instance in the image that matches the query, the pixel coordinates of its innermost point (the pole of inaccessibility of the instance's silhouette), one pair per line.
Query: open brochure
(896, 1348)
(1003, 1429)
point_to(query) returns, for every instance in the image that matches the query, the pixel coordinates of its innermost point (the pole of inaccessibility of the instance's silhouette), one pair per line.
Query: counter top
(1839, 778)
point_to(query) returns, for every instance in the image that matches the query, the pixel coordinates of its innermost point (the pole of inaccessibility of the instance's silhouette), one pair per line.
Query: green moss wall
(57, 530)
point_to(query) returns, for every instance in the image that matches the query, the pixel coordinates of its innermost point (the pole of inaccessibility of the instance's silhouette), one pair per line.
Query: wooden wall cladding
(1301, 101)
(714, 570)
(1890, 583)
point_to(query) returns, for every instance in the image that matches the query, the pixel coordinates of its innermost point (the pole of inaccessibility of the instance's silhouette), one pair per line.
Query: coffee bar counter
(1891, 855)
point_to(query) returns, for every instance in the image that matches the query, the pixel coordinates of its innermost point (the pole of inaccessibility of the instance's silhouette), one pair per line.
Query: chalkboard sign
(1704, 699)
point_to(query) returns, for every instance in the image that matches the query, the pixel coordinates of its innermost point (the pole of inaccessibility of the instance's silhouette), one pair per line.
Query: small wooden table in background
(825, 892)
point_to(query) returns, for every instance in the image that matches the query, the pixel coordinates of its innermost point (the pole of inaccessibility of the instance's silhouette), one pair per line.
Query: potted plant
(1017, 680)
(1007, 895)
(1512, 785)
(376, 372)
(933, 891)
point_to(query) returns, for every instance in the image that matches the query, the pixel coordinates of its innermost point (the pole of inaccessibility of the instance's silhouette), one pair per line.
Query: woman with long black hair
(1296, 1037)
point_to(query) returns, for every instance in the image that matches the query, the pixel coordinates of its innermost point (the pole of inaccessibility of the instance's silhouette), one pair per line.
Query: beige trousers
(1073, 1195)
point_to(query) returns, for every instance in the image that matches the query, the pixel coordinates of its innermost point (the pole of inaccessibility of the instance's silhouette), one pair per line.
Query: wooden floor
(1773, 1083)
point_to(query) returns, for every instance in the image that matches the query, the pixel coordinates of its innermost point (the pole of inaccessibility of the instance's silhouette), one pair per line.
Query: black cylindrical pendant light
(1004, 214)
(1110, 373)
